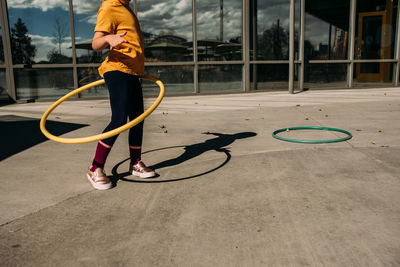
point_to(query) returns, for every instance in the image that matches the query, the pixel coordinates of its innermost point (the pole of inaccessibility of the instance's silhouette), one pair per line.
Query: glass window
(176, 79)
(43, 83)
(325, 76)
(372, 74)
(40, 32)
(269, 29)
(326, 29)
(269, 76)
(167, 28)
(219, 30)
(1, 47)
(375, 29)
(85, 16)
(88, 75)
(220, 78)
(3, 85)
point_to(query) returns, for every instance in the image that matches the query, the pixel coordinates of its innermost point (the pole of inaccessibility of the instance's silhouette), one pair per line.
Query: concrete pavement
(232, 197)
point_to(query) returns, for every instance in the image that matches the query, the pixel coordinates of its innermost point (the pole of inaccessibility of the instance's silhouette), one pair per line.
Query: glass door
(374, 42)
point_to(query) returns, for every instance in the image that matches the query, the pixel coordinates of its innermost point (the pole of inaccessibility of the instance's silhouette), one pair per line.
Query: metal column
(195, 59)
(291, 47)
(7, 50)
(397, 49)
(75, 69)
(221, 20)
(301, 45)
(352, 32)
(246, 44)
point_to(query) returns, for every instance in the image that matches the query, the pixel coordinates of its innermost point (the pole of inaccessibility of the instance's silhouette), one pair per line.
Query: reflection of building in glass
(339, 47)
(166, 48)
(175, 48)
(334, 48)
(216, 50)
(87, 54)
(327, 24)
(228, 46)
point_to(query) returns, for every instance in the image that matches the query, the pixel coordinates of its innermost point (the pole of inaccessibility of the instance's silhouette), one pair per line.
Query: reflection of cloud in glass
(89, 7)
(44, 45)
(207, 24)
(90, 19)
(264, 5)
(80, 7)
(44, 5)
(208, 19)
(174, 15)
(316, 31)
(86, 7)
(270, 11)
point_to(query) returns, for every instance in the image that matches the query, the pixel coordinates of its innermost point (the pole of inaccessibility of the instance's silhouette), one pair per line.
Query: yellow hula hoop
(81, 140)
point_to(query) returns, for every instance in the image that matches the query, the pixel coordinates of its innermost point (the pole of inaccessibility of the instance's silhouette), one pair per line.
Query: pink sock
(100, 156)
(136, 153)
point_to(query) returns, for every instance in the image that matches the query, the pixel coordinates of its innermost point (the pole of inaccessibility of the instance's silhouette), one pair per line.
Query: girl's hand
(115, 40)
(102, 40)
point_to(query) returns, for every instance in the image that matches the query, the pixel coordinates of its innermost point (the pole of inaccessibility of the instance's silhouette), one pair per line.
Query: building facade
(205, 46)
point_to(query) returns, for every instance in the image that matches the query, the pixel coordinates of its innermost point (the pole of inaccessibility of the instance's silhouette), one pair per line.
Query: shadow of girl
(191, 151)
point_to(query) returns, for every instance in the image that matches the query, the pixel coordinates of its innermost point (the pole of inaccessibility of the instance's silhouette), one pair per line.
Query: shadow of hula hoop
(121, 176)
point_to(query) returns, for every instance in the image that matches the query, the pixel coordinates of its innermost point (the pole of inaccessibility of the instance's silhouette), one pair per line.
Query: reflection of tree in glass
(274, 42)
(55, 57)
(59, 34)
(23, 51)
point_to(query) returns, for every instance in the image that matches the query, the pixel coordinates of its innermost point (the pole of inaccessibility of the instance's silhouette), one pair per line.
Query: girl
(118, 28)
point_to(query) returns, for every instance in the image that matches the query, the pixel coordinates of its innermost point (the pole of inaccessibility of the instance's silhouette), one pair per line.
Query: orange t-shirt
(115, 18)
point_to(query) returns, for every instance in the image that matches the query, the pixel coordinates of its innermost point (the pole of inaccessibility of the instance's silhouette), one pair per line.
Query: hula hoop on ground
(87, 139)
(349, 135)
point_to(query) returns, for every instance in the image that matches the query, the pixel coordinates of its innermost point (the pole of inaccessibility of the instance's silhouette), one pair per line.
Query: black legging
(126, 100)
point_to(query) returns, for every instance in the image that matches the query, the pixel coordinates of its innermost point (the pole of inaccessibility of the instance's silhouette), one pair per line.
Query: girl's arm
(101, 40)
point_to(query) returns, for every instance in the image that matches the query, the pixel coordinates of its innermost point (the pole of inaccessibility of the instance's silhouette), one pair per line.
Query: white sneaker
(99, 179)
(141, 170)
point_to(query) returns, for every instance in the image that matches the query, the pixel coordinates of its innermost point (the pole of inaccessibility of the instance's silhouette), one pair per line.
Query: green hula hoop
(349, 135)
